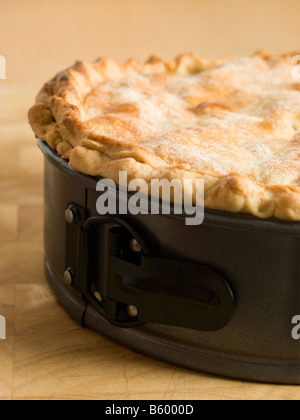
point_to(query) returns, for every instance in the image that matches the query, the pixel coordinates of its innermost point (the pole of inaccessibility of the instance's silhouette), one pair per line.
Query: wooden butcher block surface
(46, 355)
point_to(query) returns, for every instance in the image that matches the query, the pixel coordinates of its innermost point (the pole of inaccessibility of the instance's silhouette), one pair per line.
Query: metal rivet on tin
(70, 215)
(98, 296)
(132, 311)
(68, 277)
(135, 246)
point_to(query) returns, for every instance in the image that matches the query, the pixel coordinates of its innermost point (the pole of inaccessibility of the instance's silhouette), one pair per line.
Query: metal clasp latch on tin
(116, 270)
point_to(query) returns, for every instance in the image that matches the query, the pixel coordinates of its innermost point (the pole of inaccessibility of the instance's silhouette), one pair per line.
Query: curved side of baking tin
(142, 341)
(270, 291)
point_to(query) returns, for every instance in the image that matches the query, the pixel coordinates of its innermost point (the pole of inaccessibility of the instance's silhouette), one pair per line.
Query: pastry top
(233, 122)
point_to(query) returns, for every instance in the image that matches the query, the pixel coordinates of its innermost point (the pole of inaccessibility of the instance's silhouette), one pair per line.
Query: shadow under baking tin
(258, 258)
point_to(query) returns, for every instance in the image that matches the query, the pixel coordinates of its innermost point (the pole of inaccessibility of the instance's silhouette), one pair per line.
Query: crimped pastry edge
(58, 119)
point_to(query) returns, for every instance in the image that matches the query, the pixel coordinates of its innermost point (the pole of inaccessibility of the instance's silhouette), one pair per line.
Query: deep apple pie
(233, 122)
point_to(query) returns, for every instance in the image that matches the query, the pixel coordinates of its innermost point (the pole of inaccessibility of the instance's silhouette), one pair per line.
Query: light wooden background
(47, 355)
(40, 37)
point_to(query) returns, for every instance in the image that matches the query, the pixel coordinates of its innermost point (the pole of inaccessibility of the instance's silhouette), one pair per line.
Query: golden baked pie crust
(233, 122)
